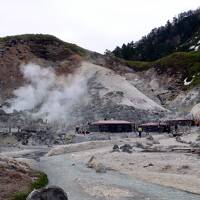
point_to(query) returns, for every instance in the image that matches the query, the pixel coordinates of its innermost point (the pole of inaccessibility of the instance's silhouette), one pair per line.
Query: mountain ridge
(182, 34)
(159, 82)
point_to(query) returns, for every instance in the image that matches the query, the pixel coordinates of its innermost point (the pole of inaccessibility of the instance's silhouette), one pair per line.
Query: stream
(71, 175)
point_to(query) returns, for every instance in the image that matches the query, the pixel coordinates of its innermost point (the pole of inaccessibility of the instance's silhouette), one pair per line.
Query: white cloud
(92, 24)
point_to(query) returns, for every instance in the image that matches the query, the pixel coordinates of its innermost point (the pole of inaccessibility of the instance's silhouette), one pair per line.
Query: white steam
(47, 95)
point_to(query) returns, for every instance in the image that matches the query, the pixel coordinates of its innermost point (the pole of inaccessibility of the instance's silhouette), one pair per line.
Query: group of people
(79, 131)
(139, 130)
(84, 132)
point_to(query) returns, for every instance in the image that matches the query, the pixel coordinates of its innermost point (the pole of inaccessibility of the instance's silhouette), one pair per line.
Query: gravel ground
(138, 175)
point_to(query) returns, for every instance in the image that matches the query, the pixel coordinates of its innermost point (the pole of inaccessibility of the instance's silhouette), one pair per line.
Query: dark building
(180, 122)
(155, 127)
(113, 126)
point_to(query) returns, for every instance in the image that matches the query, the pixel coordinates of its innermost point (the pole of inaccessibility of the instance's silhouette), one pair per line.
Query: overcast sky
(93, 24)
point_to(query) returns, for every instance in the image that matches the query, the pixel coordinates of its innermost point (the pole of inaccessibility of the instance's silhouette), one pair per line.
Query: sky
(92, 24)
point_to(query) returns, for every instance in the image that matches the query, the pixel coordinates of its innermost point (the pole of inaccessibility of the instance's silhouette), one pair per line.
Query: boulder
(115, 148)
(2, 112)
(195, 145)
(94, 164)
(148, 165)
(140, 145)
(91, 163)
(48, 193)
(126, 148)
(100, 168)
(198, 138)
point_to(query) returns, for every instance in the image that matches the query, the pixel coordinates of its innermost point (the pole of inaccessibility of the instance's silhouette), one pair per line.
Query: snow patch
(192, 47)
(196, 48)
(187, 82)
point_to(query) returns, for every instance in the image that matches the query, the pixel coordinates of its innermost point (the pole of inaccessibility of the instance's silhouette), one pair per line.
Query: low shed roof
(178, 119)
(110, 122)
(154, 124)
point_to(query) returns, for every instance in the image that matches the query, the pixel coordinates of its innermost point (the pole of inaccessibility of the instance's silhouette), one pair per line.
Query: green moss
(40, 182)
(75, 48)
(29, 37)
(20, 196)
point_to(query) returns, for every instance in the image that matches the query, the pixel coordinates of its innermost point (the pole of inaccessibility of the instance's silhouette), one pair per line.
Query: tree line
(163, 40)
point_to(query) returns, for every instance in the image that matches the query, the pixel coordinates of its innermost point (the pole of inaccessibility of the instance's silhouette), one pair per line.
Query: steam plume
(47, 95)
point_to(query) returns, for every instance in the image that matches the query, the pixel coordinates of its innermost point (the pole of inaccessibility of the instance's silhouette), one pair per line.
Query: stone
(116, 148)
(149, 165)
(195, 145)
(48, 193)
(100, 168)
(139, 145)
(149, 143)
(2, 112)
(92, 162)
(149, 137)
(127, 148)
(178, 139)
(198, 138)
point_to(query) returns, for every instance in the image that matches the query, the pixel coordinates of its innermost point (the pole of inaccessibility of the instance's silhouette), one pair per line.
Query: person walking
(140, 131)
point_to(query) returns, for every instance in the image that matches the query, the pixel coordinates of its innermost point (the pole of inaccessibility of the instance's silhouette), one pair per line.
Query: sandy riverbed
(177, 170)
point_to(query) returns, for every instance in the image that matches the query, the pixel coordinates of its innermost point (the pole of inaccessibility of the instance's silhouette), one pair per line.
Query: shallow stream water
(71, 175)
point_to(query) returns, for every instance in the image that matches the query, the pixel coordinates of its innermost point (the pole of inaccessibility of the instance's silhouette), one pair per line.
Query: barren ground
(126, 170)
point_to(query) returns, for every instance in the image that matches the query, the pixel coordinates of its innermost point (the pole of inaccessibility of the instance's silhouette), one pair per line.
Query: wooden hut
(155, 127)
(180, 122)
(113, 126)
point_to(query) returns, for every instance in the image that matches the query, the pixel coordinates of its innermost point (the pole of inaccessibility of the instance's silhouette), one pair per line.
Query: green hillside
(180, 34)
(43, 44)
(186, 63)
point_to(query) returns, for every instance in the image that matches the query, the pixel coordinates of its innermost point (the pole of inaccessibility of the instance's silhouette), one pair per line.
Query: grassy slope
(44, 38)
(187, 63)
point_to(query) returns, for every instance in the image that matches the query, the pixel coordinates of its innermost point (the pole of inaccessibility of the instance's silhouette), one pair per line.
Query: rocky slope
(60, 82)
(167, 62)
(107, 92)
(42, 49)
(174, 80)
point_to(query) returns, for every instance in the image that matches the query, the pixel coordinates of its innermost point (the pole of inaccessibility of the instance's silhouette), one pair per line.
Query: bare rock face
(48, 193)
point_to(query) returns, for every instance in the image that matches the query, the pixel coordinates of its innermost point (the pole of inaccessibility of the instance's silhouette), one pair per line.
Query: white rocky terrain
(118, 87)
(91, 93)
(137, 168)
